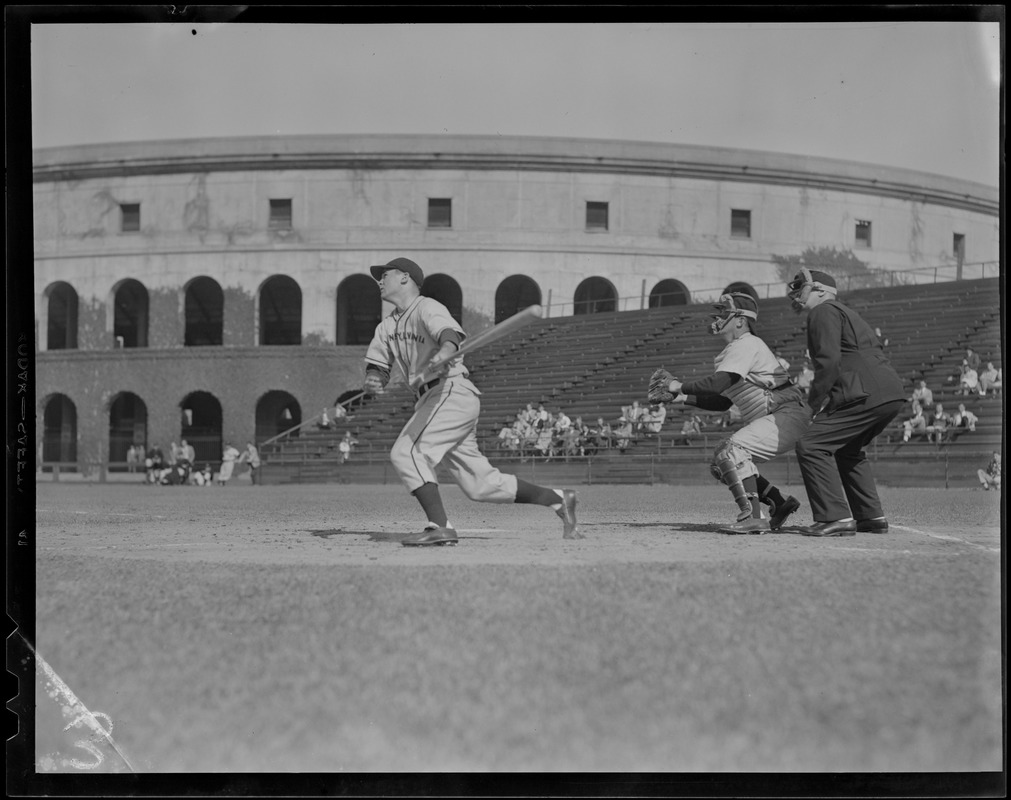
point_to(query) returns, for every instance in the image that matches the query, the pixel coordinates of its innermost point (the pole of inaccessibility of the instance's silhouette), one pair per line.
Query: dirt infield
(285, 629)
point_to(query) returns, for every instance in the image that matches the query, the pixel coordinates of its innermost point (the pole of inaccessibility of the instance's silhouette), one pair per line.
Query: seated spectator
(507, 438)
(972, 359)
(570, 443)
(654, 419)
(339, 412)
(623, 433)
(969, 381)
(991, 476)
(345, 447)
(989, 379)
(938, 423)
(562, 423)
(690, 429)
(203, 477)
(963, 420)
(922, 395)
(730, 417)
(324, 421)
(782, 361)
(917, 423)
(633, 414)
(881, 337)
(545, 442)
(600, 437)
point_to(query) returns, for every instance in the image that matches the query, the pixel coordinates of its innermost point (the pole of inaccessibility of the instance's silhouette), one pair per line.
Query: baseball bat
(493, 334)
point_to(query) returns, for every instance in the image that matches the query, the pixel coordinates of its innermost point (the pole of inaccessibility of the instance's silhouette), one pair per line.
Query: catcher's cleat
(432, 535)
(780, 514)
(757, 525)
(567, 513)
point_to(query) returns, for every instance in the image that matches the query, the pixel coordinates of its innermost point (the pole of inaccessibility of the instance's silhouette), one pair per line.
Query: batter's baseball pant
(837, 475)
(443, 430)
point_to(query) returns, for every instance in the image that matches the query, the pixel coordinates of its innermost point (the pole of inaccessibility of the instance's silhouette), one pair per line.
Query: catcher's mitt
(659, 387)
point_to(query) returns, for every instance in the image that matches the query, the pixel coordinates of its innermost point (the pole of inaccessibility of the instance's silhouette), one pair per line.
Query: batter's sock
(536, 495)
(767, 490)
(431, 502)
(751, 487)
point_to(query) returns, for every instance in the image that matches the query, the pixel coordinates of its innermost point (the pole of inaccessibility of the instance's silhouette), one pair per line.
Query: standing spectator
(173, 454)
(345, 447)
(251, 457)
(917, 423)
(324, 421)
(228, 458)
(989, 379)
(922, 395)
(132, 459)
(855, 395)
(187, 451)
(632, 414)
(991, 476)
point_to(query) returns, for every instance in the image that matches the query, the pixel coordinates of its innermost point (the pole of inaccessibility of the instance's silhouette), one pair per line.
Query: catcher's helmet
(735, 304)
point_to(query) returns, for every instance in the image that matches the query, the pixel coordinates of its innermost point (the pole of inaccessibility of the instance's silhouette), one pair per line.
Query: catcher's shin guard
(726, 473)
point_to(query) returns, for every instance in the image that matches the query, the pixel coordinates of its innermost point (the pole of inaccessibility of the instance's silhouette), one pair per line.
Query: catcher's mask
(806, 281)
(729, 306)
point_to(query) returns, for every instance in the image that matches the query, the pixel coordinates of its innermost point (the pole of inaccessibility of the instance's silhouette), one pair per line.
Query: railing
(875, 277)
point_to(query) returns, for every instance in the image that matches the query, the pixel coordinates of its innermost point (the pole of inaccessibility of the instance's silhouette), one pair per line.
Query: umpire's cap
(404, 265)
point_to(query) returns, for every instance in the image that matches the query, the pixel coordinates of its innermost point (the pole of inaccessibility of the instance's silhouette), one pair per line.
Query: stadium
(218, 291)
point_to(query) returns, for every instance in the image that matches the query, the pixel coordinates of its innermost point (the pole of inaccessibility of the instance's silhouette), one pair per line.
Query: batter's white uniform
(774, 410)
(443, 427)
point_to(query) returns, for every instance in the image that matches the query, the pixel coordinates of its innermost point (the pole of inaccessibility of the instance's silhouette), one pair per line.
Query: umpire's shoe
(838, 528)
(568, 515)
(781, 512)
(432, 535)
(879, 525)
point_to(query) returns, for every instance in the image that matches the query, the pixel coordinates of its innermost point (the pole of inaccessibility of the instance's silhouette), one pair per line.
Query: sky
(916, 95)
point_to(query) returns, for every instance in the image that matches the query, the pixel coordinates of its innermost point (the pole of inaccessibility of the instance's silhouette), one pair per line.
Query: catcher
(773, 409)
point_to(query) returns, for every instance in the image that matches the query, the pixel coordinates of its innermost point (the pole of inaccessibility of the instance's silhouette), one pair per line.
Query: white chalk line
(946, 538)
(80, 710)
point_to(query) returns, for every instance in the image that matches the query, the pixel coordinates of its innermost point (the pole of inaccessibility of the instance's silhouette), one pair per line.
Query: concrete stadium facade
(229, 277)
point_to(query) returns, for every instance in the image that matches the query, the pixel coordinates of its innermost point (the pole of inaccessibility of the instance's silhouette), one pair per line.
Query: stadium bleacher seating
(591, 365)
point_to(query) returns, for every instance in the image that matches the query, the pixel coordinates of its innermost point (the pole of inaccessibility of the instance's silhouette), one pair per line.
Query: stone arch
(447, 291)
(127, 425)
(131, 306)
(669, 292)
(741, 286)
(280, 311)
(595, 295)
(359, 309)
(59, 431)
(61, 316)
(514, 294)
(276, 412)
(201, 426)
(204, 313)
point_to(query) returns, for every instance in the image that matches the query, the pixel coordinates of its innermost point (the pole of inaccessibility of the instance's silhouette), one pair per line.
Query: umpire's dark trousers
(837, 474)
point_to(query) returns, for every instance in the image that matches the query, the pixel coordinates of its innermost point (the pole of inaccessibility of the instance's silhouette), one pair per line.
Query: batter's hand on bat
(373, 385)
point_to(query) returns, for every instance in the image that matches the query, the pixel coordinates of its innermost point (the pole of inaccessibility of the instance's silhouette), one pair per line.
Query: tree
(848, 270)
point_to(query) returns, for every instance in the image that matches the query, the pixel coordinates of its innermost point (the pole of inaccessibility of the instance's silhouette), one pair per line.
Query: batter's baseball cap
(404, 265)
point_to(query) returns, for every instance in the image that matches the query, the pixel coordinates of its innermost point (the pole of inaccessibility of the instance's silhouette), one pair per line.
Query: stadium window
(863, 233)
(280, 214)
(958, 247)
(130, 217)
(440, 212)
(596, 216)
(740, 223)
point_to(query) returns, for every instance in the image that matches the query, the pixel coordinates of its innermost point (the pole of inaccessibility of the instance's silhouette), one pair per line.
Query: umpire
(855, 394)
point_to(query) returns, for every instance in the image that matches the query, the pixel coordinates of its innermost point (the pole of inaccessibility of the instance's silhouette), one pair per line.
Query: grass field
(285, 629)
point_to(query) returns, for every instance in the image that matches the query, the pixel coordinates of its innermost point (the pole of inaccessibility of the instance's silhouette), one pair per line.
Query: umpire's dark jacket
(850, 368)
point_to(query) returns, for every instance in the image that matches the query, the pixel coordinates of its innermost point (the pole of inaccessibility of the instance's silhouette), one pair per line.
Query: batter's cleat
(780, 514)
(567, 513)
(750, 525)
(432, 535)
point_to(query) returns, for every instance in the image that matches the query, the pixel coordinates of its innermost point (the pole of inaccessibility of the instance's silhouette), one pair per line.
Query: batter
(443, 427)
